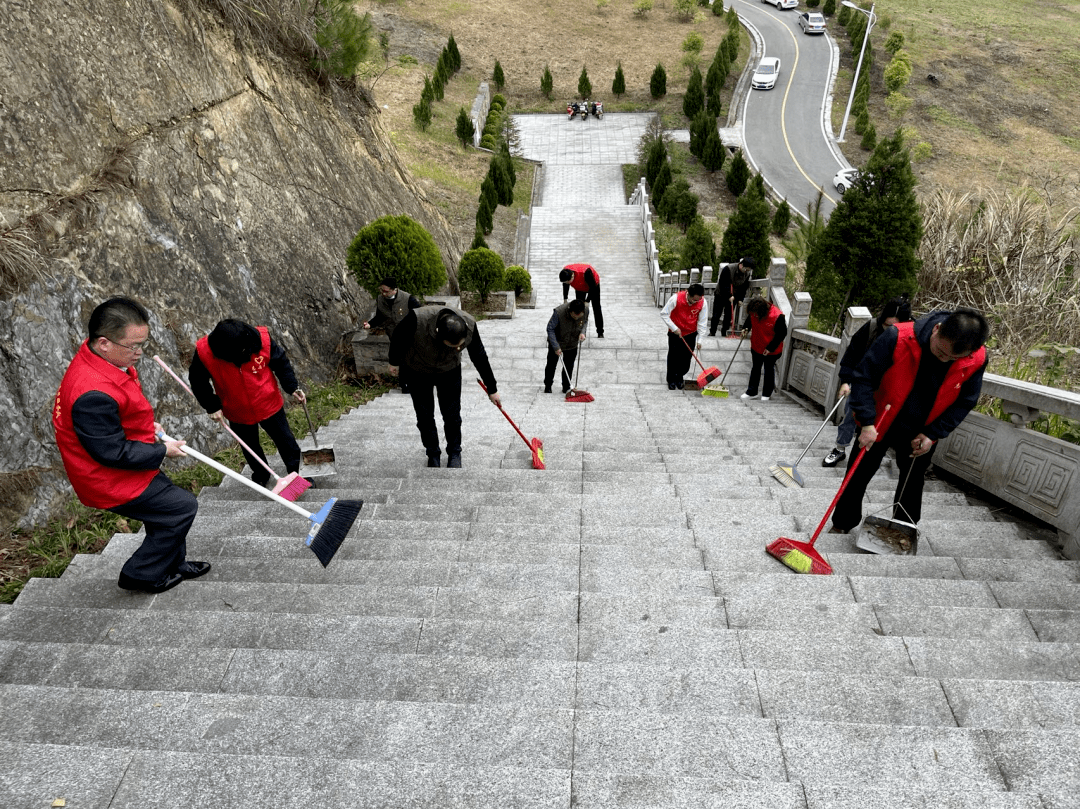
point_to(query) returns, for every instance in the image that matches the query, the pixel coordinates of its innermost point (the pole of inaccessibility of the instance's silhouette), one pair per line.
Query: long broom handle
(228, 429)
(692, 354)
(523, 438)
(819, 429)
(733, 354)
(311, 426)
(577, 366)
(847, 477)
(194, 453)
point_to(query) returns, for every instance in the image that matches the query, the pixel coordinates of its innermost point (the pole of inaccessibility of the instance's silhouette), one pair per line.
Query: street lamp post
(855, 81)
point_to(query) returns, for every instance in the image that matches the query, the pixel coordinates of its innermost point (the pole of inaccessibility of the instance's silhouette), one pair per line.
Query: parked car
(765, 73)
(812, 22)
(782, 4)
(844, 178)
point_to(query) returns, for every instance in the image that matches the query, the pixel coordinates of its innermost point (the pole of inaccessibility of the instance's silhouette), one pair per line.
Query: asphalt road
(787, 136)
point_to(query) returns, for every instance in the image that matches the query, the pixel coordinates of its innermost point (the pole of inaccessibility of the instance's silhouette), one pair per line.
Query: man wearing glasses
(931, 373)
(106, 434)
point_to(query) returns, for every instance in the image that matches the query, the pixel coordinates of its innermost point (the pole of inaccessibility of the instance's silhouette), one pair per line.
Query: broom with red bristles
(536, 446)
(290, 487)
(802, 557)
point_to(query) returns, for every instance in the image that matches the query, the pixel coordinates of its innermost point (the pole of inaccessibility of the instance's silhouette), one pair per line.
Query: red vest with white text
(100, 486)
(249, 394)
(897, 382)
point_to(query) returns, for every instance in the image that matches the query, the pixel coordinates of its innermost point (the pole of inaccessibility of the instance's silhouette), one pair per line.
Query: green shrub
(547, 83)
(478, 241)
(829, 8)
(921, 151)
(584, 86)
(422, 115)
(738, 174)
(642, 7)
(343, 38)
(658, 81)
(497, 76)
(485, 221)
(481, 271)
(397, 246)
(894, 42)
(897, 74)
(488, 142)
(869, 140)
(782, 219)
(684, 9)
(712, 156)
(694, 99)
(693, 43)
(518, 279)
(897, 104)
(499, 100)
(618, 87)
(464, 129)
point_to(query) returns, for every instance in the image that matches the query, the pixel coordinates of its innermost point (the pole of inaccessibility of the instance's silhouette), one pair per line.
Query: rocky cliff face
(146, 154)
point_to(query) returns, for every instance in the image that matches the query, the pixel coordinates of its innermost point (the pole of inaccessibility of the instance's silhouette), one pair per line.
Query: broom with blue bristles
(329, 524)
(802, 557)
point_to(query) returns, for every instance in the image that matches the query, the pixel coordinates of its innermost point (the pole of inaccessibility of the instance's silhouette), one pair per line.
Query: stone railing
(1032, 471)
(640, 198)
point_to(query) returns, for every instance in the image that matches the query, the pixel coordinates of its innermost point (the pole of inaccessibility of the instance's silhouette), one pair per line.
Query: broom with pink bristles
(289, 487)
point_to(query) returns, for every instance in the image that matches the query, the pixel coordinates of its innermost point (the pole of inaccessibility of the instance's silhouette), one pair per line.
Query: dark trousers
(848, 511)
(422, 388)
(166, 512)
(722, 308)
(593, 297)
(679, 357)
(277, 427)
(757, 362)
(569, 358)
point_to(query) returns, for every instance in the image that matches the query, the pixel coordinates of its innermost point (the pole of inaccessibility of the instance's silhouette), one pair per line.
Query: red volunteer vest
(762, 333)
(578, 281)
(249, 394)
(897, 382)
(96, 485)
(684, 315)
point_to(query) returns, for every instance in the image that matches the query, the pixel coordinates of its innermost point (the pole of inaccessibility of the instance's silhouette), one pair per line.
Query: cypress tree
(584, 86)
(455, 55)
(658, 82)
(618, 87)
(464, 129)
(694, 99)
(738, 175)
(712, 157)
(497, 76)
(546, 83)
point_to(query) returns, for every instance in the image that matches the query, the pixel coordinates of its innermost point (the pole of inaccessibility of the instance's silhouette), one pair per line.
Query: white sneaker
(746, 396)
(764, 398)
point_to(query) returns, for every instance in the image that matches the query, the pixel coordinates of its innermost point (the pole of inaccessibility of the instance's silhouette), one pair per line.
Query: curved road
(786, 136)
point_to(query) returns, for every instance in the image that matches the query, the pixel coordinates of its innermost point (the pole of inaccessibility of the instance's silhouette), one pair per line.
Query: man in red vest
(930, 372)
(234, 375)
(585, 281)
(106, 434)
(686, 315)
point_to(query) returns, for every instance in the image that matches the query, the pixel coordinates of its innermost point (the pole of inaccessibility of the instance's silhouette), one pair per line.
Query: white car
(781, 4)
(844, 178)
(812, 22)
(765, 73)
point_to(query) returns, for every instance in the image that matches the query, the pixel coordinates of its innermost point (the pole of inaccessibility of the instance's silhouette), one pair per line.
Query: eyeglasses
(136, 348)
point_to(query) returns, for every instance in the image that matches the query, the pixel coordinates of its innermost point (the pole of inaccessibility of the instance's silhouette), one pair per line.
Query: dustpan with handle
(316, 460)
(889, 537)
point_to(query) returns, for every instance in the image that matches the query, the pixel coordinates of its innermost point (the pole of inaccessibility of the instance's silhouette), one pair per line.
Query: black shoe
(712, 334)
(681, 386)
(835, 530)
(264, 482)
(600, 334)
(453, 460)
(192, 570)
(547, 388)
(834, 457)
(434, 461)
(404, 388)
(311, 483)
(126, 582)
(566, 391)
(672, 386)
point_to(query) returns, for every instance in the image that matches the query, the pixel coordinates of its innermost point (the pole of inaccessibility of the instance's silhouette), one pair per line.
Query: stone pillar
(371, 352)
(857, 317)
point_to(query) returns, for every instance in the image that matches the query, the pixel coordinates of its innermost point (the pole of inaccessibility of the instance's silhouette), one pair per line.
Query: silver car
(812, 22)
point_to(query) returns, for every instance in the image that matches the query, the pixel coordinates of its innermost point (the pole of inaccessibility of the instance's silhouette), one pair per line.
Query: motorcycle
(598, 110)
(571, 110)
(584, 107)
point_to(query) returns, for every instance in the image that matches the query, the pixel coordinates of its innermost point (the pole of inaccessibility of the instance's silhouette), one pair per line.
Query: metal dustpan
(316, 460)
(889, 536)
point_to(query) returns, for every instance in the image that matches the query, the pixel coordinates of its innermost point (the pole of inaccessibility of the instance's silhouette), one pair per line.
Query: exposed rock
(145, 154)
